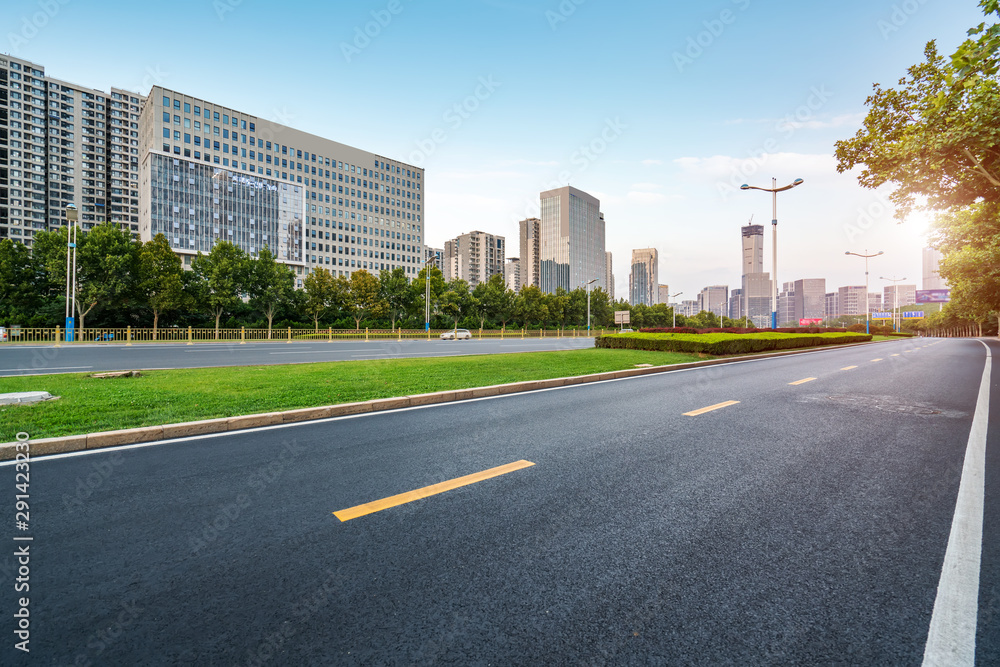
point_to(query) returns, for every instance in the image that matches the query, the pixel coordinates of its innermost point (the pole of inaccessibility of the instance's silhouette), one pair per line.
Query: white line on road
(951, 639)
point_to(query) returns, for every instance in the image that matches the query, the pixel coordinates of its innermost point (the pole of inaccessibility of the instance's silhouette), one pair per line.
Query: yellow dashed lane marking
(847, 368)
(803, 381)
(427, 491)
(695, 413)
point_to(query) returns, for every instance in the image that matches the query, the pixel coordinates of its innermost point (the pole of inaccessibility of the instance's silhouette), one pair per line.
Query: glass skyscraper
(571, 249)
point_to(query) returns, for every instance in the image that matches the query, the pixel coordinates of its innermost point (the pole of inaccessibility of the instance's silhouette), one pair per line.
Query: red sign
(810, 321)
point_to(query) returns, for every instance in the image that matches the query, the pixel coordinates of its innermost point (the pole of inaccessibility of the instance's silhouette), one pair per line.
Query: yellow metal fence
(190, 335)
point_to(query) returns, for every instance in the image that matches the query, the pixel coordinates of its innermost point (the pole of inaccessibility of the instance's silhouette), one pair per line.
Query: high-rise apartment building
(644, 279)
(512, 274)
(907, 296)
(474, 257)
(529, 235)
(714, 299)
(931, 260)
(63, 144)
(810, 298)
(209, 173)
(571, 245)
(609, 277)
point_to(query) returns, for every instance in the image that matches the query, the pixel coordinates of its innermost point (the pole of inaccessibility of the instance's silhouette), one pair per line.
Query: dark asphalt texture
(805, 525)
(92, 358)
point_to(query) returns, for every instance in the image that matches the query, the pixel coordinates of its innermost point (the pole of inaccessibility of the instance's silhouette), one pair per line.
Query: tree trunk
(156, 319)
(316, 322)
(218, 316)
(357, 324)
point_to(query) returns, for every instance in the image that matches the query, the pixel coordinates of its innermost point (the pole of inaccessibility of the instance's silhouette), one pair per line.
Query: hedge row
(721, 344)
(737, 330)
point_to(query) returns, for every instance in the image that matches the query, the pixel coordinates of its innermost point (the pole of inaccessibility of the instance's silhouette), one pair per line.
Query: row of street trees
(935, 139)
(122, 281)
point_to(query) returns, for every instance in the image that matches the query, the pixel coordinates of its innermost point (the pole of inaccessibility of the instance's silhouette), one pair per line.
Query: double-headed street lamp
(427, 292)
(895, 299)
(587, 285)
(774, 190)
(673, 309)
(867, 257)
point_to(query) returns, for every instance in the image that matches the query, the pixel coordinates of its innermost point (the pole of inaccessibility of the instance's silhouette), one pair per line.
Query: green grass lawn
(170, 396)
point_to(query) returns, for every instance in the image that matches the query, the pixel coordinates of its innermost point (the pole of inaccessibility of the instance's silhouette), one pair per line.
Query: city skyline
(492, 131)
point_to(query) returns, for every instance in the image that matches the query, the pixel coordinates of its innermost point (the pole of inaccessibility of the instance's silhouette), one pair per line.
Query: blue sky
(657, 108)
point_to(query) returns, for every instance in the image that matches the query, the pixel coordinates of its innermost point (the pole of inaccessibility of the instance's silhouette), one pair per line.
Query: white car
(457, 334)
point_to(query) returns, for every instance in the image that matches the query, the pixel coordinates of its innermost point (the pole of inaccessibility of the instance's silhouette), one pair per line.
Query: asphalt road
(44, 359)
(806, 523)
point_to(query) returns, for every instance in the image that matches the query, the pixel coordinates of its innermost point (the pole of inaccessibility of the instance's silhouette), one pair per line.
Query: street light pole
(588, 284)
(774, 190)
(867, 309)
(895, 300)
(71, 220)
(673, 309)
(427, 293)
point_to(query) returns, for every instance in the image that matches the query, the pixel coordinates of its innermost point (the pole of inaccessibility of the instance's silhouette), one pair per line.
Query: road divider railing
(242, 335)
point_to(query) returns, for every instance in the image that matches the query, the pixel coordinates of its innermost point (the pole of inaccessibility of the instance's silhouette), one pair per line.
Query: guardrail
(191, 335)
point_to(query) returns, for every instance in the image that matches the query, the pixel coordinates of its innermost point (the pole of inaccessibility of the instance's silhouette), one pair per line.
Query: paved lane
(797, 523)
(42, 359)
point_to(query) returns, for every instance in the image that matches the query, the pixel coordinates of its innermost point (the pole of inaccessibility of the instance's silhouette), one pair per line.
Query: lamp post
(895, 300)
(71, 226)
(588, 284)
(867, 257)
(774, 190)
(427, 292)
(673, 309)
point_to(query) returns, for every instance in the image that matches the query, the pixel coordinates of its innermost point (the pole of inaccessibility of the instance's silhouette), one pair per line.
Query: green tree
(108, 269)
(395, 293)
(221, 279)
(320, 287)
(161, 278)
(530, 306)
(269, 285)
(601, 313)
(970, 241)
(455, 301)
(21, 282)
(363, 299)
(418, 290)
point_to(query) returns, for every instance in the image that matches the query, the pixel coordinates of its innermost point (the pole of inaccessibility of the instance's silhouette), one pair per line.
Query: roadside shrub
(718, 344)
(735, 330)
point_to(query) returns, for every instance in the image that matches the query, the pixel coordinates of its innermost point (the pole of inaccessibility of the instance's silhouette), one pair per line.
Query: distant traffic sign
(881, 316)
(913, 314)
(621, 317)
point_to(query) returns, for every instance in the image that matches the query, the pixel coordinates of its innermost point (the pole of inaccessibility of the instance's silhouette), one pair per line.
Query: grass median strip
(427, 491)
(88, 405)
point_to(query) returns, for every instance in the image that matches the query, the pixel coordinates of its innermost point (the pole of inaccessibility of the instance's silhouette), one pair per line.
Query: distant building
(688, 308)
(609, 277)
(529, 233)
(874, 302)
(474, 257)
(756, 288)
(643, 281)
(931, 276)
(736, 303)
(786, 305)
(512, 274)
(663, 294)
(571, 245)
(437, 254)
(810, 299)
(831, 306)
(907, 296)
(714, 299)
(851, 300)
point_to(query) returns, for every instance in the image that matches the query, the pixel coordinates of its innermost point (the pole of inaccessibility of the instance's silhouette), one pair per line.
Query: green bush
(722, 344)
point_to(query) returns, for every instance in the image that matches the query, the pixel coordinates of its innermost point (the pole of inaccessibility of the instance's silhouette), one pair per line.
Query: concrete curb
(76, 443)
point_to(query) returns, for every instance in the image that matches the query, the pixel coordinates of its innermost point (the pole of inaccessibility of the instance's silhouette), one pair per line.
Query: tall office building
(736, 304)
(907, 296)
(571, 248)
(851, 300)
(831, 304)
(786, 305)
(63, 144)
(644, 280)
(756, 284)
(663, 294)
(474, 257)
(609, 277)
(210, 173)
(529, 236)
(810, 298)
(931, 276)
(512, 274)
(714, 299)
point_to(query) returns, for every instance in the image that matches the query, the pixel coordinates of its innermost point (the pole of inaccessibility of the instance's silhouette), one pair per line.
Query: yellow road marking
(432, 490)
(876, 360)
(724, 404)
(847, 368)
(802, 381)
(893, 355)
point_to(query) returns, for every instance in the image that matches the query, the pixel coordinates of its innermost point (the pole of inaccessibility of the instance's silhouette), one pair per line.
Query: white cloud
(649, 162)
